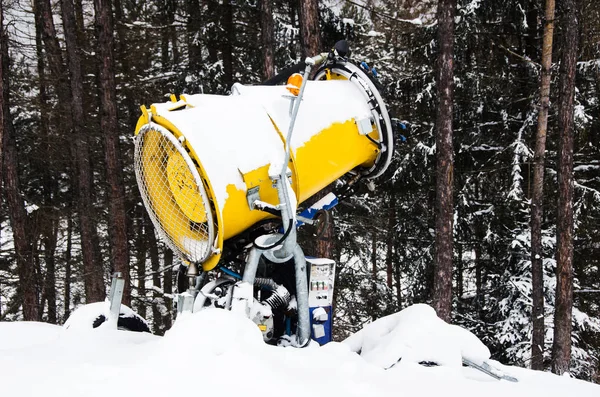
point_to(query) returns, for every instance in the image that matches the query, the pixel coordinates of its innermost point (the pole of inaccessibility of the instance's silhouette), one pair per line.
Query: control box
(320, 298)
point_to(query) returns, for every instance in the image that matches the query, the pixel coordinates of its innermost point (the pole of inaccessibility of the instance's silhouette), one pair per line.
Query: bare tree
(537, 268)
(309, 27)
(442, 284)
(561, 348)
(391, 241)
(16, 206)
(109, 124)
(311, 45)
(67, 290)
(94, 281)
(48, 216)
(267, 38)
(141, 247)
(4, 111)
(169, 35)
(227, 43)
(168, 286)
(193, 35)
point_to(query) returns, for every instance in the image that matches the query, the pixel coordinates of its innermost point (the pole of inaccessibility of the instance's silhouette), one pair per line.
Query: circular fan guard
(173, 193)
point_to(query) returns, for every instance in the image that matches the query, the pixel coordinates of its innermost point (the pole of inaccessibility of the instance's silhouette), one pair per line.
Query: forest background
(74, 74)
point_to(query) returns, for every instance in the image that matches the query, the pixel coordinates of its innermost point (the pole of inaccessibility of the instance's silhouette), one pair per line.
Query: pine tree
(561, 349)
(537, 267)
(442, 292)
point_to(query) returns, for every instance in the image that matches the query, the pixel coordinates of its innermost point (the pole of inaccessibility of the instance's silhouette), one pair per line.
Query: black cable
(379, 145)
(285, 74)
(279, 242)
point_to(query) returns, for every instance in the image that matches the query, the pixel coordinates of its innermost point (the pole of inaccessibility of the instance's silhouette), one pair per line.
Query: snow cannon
(205, 163)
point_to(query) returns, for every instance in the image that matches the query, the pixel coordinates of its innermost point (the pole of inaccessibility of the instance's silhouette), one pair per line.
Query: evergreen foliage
(179, 46)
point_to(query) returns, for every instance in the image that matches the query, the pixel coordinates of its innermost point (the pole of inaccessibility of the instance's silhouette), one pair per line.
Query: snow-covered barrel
(201, 160)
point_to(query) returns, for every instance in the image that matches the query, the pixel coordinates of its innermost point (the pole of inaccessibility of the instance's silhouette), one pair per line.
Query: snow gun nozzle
(341, 49)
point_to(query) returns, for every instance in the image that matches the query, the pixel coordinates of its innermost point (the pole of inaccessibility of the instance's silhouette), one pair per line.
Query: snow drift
(219, 352)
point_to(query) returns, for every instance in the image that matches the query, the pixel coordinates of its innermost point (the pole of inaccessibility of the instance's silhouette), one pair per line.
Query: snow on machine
(217, 172)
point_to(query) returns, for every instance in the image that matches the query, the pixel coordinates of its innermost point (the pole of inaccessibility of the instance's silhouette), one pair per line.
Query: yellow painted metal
(318, 165)
(328, 155)
(143, 120)
(183, 186)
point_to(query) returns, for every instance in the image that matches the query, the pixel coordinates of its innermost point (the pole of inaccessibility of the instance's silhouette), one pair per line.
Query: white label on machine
(320, 287)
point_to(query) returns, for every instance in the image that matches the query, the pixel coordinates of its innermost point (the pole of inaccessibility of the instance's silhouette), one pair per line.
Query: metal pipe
(309, 64)
(115, 296)
(288, 215)
(252, 265)
(303, 331)
(287, 212)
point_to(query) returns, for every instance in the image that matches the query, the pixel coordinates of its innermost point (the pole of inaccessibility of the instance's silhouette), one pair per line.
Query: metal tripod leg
(115, 296)
(303, 332)
(243, 291)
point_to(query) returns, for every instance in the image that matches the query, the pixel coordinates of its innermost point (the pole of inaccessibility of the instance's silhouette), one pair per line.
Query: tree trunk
(459, 262)
(172, 9)
(478, 274)
(71, 113)
(50, 236)
(124, 55)
(67, 291)
(309, 27)
(325, 247)
(227, 48)
(193, 33)
(109, 125)
(49, 188)
(267, 38)
(4, 109)
(293, 13)
(44, 23)
(32, 226)
(459, 271)
(79, 16)
(94, 273)
(442, 285)
(141, 264)
(169, 36)
(168, 287)
(158, 299)
(391, 234)
(212, 16)
(374, 254)
(16, 206)
(537, 254)
(561, 348)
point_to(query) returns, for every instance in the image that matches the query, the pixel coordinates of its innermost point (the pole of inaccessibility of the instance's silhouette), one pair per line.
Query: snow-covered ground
(217, 353)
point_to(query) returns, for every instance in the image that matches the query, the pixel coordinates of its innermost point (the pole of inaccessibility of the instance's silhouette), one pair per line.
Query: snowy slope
(215, 352)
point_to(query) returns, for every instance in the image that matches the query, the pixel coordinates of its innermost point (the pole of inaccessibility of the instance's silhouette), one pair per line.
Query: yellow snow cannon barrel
(201, 161)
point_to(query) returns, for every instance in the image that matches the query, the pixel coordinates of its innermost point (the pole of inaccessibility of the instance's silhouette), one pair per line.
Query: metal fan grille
(173, 193)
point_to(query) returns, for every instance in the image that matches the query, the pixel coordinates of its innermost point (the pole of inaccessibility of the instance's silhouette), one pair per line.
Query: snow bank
(216, 352)
(416, 335)
(26, 334)
(84, 316)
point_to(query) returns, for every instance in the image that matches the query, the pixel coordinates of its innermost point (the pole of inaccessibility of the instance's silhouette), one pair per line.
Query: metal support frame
(115, 297)
(242, 297)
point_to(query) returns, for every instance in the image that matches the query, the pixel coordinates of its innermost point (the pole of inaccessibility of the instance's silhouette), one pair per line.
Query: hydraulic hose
(280, 296)
(285, 74)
